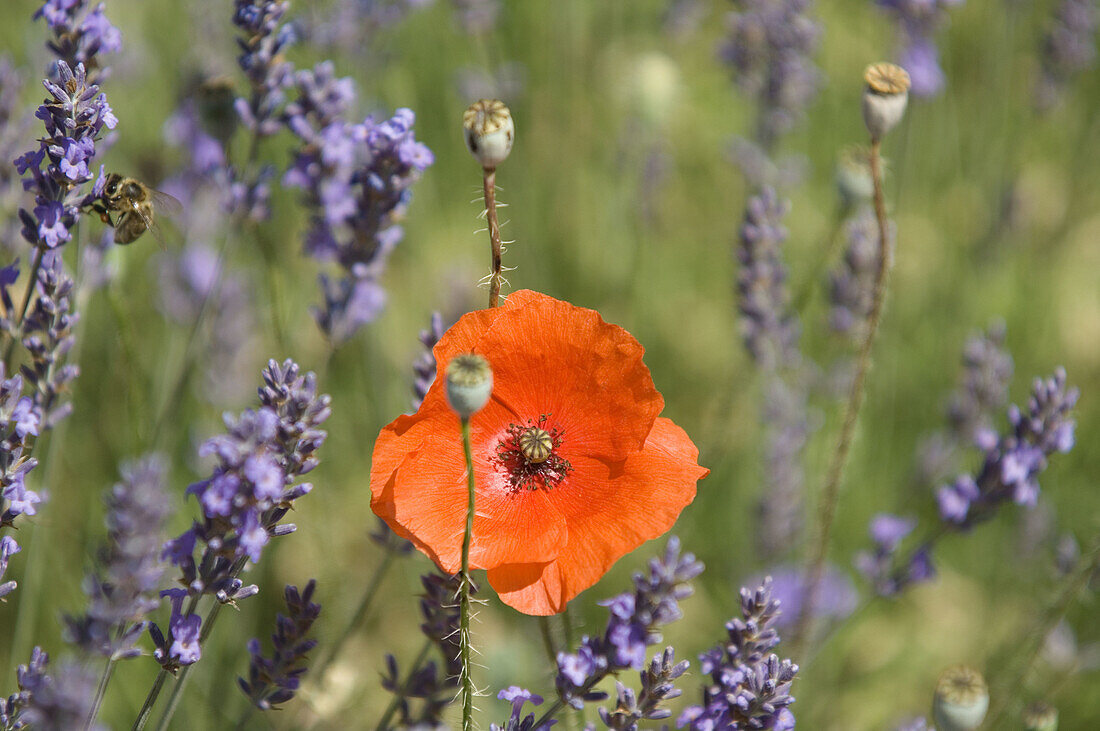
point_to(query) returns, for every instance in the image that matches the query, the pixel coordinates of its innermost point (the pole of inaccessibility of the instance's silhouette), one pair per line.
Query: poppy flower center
(528, 456)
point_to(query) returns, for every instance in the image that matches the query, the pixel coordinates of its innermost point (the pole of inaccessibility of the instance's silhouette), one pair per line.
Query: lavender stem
(831, 491)
(31, 281)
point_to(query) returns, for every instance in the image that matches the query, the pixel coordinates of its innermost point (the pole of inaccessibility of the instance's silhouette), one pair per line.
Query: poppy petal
(658, 483)
(429, 497)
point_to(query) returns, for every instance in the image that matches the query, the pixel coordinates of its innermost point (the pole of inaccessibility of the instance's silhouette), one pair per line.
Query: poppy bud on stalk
(884, 98)
(469, 384)
(962, 699)
(489, 131)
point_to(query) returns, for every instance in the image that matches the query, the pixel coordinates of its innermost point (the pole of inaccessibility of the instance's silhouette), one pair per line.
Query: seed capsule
(1040, 717)
(469, 384)
(536, 444)
(489, 131)
(884, 98)
(962, 699)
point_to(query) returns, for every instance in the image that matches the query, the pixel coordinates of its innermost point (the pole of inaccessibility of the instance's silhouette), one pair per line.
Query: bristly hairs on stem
(490, 132)
(884, 99)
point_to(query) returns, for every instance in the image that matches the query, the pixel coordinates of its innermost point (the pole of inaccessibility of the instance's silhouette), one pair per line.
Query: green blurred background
(604, 86)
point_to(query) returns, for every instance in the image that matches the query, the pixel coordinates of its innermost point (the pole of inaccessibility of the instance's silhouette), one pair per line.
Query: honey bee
(136, 205)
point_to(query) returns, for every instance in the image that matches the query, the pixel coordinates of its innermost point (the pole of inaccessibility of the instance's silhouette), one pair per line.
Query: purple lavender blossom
(982, 389)
(74, 119)
(8, 548)
(61, 700)
(852, 282)
(14, 129)
(771, 332)
(836, 596)
(918, 23)
(81, 32)
(656, 688)
(750, 687)
(265, 39)
(1068, 48)
(251, 489)
(1014, 460)
(356, 180)
(768, 48)
(878, 566)
(182, 646)
(19, 420)
(30, 678)
(435, 687)
(632, 627)
(517, 722)
(47, 336)
(424, 367)
(352, 25)
(125, 589)
(275, 680)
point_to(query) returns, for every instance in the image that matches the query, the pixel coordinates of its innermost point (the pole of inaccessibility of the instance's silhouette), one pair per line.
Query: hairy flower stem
(334, 649)
(384, 721)
(489, 184)
(18, 325)
(464, 591)
(1011, 690)
(831, 492)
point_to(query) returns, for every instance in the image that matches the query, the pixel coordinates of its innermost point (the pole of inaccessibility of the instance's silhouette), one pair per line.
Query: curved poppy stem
(464, 591)
(831, 492)
(489, 185)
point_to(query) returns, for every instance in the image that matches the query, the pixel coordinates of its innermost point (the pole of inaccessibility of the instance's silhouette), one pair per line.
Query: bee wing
(166, 203)
(151, 224)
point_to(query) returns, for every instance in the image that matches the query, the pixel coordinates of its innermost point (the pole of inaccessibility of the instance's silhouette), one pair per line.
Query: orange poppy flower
(574, 467)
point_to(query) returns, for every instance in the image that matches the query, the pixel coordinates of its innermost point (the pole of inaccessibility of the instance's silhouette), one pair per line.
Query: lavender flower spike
(1069, 47)
(260, 458)
(656, 687)
(918, 22)
(1014, 460)
(769, 48)
(633, 626)
(62, 700)
(80, 32)
(19, 421)
(31, 678)
(126, 588)
(275, 680)
(750, 687)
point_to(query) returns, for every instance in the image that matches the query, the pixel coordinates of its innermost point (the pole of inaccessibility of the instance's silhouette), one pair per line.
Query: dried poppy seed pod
(962, 699)
(489, 131)
(884, 98)
(469, 384)
(1040, 716)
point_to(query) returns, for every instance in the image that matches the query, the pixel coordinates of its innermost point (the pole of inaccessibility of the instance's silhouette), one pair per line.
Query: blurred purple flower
(918, 22)
(771, 334)
(125, 588)
(60, 700)
(31, 678)
(477, 17)
(769, 48)
(836, 595)
(1068, 48)
(878, 567)
(81, 32)
(517, 722)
